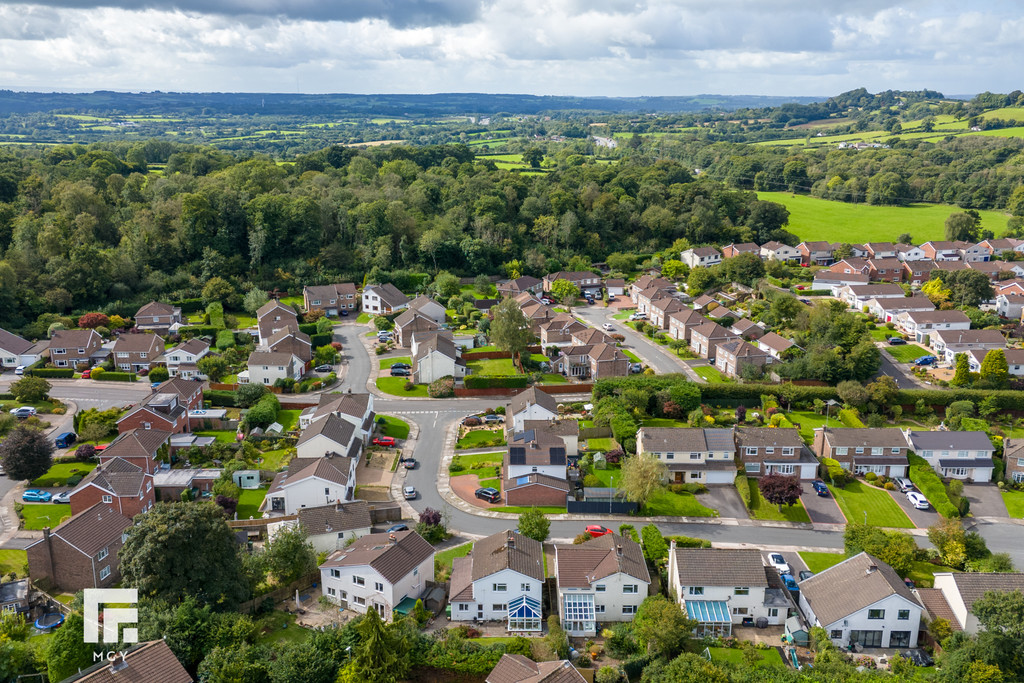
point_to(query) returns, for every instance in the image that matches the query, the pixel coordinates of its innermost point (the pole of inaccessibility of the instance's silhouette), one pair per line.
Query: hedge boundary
(66, 373)
(927, 480)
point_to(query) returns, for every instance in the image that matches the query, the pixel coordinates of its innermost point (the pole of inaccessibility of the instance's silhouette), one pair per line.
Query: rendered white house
(502, 579)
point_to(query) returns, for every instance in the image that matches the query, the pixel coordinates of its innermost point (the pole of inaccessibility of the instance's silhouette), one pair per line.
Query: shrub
(591, 481)
(929, 483)
(472, 422)
(66, 373)
(871, 476)
(850, 417)
(220, 398)
(889, 486)
(835, 472)
(107, 376)
(409, 385)
(225, 339)
(689, 542)
(159, 374)
(442, 388)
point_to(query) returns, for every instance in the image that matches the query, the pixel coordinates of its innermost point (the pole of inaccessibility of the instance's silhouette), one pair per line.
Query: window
(753, 467)
(876, 451)
(787, 451)
(739, 610)
(899, 639)
(101, 555)
(108, 499)
(378, 586)
(961, 454)
(670, 455)
(867, 638)
(500, 587)
(358, 580)
(784, 469)
(104, 573)
(841, 451)
(836, 633)
(630, 589)
(694, 456)
(600, 588)
(876, 614)
(859, 450)
(696, 590)
(954, 471)
(769, 450)
(499, 608)
(599, 609)
(895, 451)
(335, 574)
(629, 609)
(327, 491)
(463, 607)
(741, 591)
(751, 450)
(358, 600)
(332, 592)
(773, 611)
(903, 614)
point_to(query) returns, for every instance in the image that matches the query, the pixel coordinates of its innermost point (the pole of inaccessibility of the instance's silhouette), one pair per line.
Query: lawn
(881, 333)
(481, 438)
(363, 318)
(249, 502)
(546, 509)
(664, 502)
(858, 498)
(552, 378)
(39, 516)
(13, 561)
(663, 422)
(622, 316)
(609, 477)
(770, 657)
(762, 509)
(284, 630)
(468, 460)
(711, 374)
(396, 387)
(819, 562)
(600, 444)
(1014, 503)
(60, 472)
(492, 366)
(445, 557)
(811, 218)
(222, 435)
(388, 362)
(393, 426)
(631, 356)
(907, 353)
(923, 573)
(810, 420)
(289, 419)
(273, 460)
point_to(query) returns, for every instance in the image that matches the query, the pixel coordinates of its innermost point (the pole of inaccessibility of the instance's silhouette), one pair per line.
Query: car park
(23, 411)
(903, 484)
(917, 500)
(62, 498)
(65, 440)
(779, 562)
(494, 418)
(491, 495)
(820, 488)
(388, 441)
(36, 496)
(596, 530)
(608, 326)
(398, 527)
(896, 341)
(401, 372)
(926, 360)
(323, 368)
(409, 492)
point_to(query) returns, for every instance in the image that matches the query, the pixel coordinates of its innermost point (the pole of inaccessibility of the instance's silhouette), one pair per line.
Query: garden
(401, 386)
(37, 516)
(759, 508)
(862, 503)
(480, 437)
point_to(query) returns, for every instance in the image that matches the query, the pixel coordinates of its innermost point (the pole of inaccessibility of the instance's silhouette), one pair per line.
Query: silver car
(409, 492)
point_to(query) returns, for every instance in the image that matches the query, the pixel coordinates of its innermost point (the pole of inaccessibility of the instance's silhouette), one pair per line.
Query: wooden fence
(595, 432)
(282, 593)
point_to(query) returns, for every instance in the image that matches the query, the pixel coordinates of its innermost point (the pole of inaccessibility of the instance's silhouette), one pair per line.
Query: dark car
(65, 440)
(344, 314)
(820, 488)
(398, 527)
(896, 341)
(401, 365)
(805, 574)
(409, 463)
(489, 494)
(926, 360)
(401, 372)
(323, 368)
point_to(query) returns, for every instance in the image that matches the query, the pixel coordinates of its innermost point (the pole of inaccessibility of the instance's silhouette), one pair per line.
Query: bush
(929, 483)
(66, 373)
(591, 481)
(442, 388)
(159, 374)
(225, 339)
(220, 398)
(851, 418)
(871, 476)
(835, 472)
(264, 412)
(689, 542)
(113, 376)
(743, 487)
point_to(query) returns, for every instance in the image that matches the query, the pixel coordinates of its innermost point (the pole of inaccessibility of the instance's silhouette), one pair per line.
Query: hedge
(111, 376)
(220, 397)
(496, 381)
(225, 339)
(199, 331)
(308, 328)
(929, 483)
(52, 372)
(850, 418)
(189, 305)
(835, 472)
(319, 340)
(743, 486)
(689, 542)
(7, 397)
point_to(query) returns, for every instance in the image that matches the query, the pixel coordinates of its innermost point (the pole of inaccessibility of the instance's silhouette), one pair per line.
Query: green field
(820, 219)
(393, 426)
(907, 352)
(44, 515)
(59, 473)
(249, 502)
(859, 498)
(396, 387)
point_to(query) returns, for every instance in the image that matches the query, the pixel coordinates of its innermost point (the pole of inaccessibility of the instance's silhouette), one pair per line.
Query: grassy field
(1014, 503)
(819, 219)
(762, 509)
(395, 427)
(59, 473)
(44, 515)
(711, 374)
(13, 561)
(396, 387)
(481, 438)
(445, 557)
(665, 502)
(907, 353)
(858, 498)
(819, 562)
(769, 658)
(249, 502)
(388, 362)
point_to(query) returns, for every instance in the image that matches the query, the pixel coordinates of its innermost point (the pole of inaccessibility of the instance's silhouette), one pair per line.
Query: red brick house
(81, 552)
(140, 447)
(188, 391)
(135, 352)
(119, 483)
(71, 348)
(764, 450)
(331, 299)
(536, 489)
(160, 411)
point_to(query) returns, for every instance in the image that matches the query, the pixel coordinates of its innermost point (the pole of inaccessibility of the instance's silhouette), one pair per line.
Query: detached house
(356, 408)
(436, 357)
(704, 456)
(1010, 305)
(383, 299)
(859, 296)
(1013, 456)
(750, 331)
(408, 323)
(959, 592)
(701, 257)
(559, 330)
(773, 344)
(948, 343)
(584, 279)
(12, 350)
(81, 552)
(73, 348)
(520, 669)
(732, 250)
(731, 357)
(954, 455)
(385, 572)
(522, 284)
(997, 247)
(182, 360)
(593, 361)
(531, 404)
(290, 341)
(921, 324)
(312, 483)
(970, 253)
(329, 435)
(882, 451)
(124, 486)
(681, 323)
(428, 308)
(886, 270)
(274, 316)
(777, 251)
(502, 579)
(880, 250)
(144, 448)
(887, 310)
(938, 250)
(157, 317)
(331, 299)
(646, 282)
(1014, 360)
(135, 352)
(149, 661)
(329, 527)
(765, 450)
(266, 367)
(815, 253)
(163, 411)
(602, 580)
(909, 252)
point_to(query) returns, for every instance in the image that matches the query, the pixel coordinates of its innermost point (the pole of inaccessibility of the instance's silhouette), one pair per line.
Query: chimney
(118, 663)
(618, 549)
(511, 543)
(871, 569)
(392, 539)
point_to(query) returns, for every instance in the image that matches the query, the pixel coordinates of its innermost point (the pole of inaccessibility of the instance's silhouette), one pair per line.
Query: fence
(613, 507)
(260, 524)
(385, 512)
(595, 432)
(489, 355)
(282, 593)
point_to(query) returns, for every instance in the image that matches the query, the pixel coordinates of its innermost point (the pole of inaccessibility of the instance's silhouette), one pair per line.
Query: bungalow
(961, 591)
(383, 299)
(409, 322)
(938, 250)
(887, 310)
(329, 527)
(502, 579)
(74, 348)
(1010, 305)
(520, 669)
(774, 344)
(733, 355)
(732, 250)
(266, 367)
(857, 297)
(135, 352)
(909, 252)
(886, 270)
(704, 339)
(531, 404)
(157, 317)
(948, 343)
(144, 448)
(436, 357)
(332, 434)
(183, 359)
(645, 282)
(764, 450)
(310, 483)
(681, 323)
(333, 300)
(862, 600)
(584, 279)
(13, 349)
(954, 455)
(882, 451)
(921, 324)
(81, 552)
(701, 257)
(777, 251)
(526, 283)
(123, 485)
(825, 280)
(703, 456)
(816, 253)
(386, 572)
(880, 250)
(660, 309)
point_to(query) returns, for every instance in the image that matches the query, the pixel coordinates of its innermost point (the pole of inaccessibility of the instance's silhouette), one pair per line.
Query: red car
(596, 530)
(86, 374)
(384, 441)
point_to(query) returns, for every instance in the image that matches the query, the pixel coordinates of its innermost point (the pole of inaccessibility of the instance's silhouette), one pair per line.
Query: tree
(962, 376)
(534, 524)
(510, 331)
(1001, 612)
(380, 656)
(967, 287)
(688, 668)
(446, 285)
(607, 674)
(662, 626)
(214, 367)
(290, 555)
(325, 355)
(161, 559)
(949, 538)
(237, 664)
(26, 453)
(30, 389)
(674, 269)
(67, 653)
(641, 477)
(159, 374)
(565, 291)
(994, 373)
(852, 393)
(248, 394)
(217, 289)
(963, 226)
(936, 291)
(624, 263)
(91, 321)
(883, 391)
(700, 280)
(254, 299)
(779, 489)
(304, 662)
(533, 156)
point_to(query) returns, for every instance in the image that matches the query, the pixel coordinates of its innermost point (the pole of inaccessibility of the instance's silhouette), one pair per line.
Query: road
(896, 371)
(663, 361)
(354, 355)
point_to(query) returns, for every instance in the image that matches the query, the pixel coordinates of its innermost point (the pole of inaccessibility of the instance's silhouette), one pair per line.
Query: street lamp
(828, 407)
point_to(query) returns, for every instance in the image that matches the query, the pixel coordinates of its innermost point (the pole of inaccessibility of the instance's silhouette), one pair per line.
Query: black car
(805, 574)
(324, 368)
(896, 341)
(409, 463)
(489, 494)
(401, 372)
(919, 657)
(398, 527)
(401, 365)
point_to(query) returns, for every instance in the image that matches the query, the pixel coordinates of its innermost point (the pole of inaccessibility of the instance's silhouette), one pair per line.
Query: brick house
(886, 270)
(559, 330)
(584, 279)
(766, 450)
(681, 323)
(157, 317)
(149, 661)
(526, 283)
(536, 489)
(590, 335)
(645, 282)
(188, 391)
(731, 250)
(123, 485)
(291, 341)
(71, 348)
(850, 266)
(274, 316)
(880, 250)
(593, 361)
(882, 451)
(144, 448)
(408, 323)
(81, 552)
(331, 299)
(938, 250)
(705, 338)
(918, 272)
(660, 309)
(383, 299)
(135, 352)
(652, 293)
(704, 456)
(816, 253)
(538, 314)
(731, 356)
(161, 411)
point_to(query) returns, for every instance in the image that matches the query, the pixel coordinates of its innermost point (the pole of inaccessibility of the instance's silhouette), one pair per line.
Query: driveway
(986, 501)
(821, 510)
(725, 499)
(922, 519)
(793, 559)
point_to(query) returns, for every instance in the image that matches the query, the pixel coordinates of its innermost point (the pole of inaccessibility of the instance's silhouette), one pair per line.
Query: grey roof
(966, 462)
(850, 586)
(14, 591)
(581, 565)
(389, 294)
(949, 441)
(412, 315)
(461, 580)
(969, 337)
(710, 330)
(529, 397)
(869, 291)
(925, 317)
(443, 344)
(553, 427)
(720, 567)
(143, 663)
(866, 438)
(117, 475)
(767, 436)
(672, 439)
(336, 429)
(333, 468)
(973, 586)
(13, 343)
(324, 519)
(139, 343)
(393, 556)
(507, 550)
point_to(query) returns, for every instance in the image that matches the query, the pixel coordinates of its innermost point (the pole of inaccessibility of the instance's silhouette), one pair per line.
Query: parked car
(611, 297)
(388, 441)
(636, 368)
(917, 500)
(638, 316)
(36, 496)
(789, 582)
(903, 484)
(324, 368)
(926, 360)
(398, 527)
(896, 341)
(489, 494)
(20, 370)
(596, 530)
(608, 326)
(401, 372)
(472, 420)
(806, 574)
(494, 418)
(409, 492)
(779, 562)
(87, 374)
(547, 300)
(400, 364)
(820, 488)
(62, 498)
(65, 440)
(23, 411)
(344, 314)
(409, 463)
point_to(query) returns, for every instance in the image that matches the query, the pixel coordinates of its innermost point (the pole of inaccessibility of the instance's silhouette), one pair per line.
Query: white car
(779, 562)
(917, 500)
(64, 498)
(20, 370)
(409, 492)
(903, 484)
(638, 316)
(608, 326)
(23, 411)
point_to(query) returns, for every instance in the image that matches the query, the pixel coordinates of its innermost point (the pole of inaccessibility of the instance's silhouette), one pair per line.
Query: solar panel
(557, 456)
(517, 455)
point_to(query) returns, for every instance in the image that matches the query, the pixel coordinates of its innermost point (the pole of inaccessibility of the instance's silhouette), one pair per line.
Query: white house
(383, 299)
(1014, 360)
(429, 308)
(183, 359)
(329, 435)
(948, 343)
(356, 408)
(887, 310)
(859, 296)
(502, 579)
(960, 591)
(719, 588)
(266, 367)
(920, 324)
(862, 600)
(329, 527)
(701, 257)
(602, 580)
(776, 251)
(954, 455)
(1010, 305)
(275, 316)
(379, 571)
(704, 456)
(12, 350)
(435, 357)
(532, 404)
(909, 252)
(311, 483)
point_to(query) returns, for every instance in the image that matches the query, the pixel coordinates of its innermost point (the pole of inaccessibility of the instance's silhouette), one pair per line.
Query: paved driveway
(820, 509)
(922, 519)
(986, 501)
(725, 499)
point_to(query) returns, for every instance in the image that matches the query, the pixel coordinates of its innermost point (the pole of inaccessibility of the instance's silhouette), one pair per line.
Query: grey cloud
(31, 23)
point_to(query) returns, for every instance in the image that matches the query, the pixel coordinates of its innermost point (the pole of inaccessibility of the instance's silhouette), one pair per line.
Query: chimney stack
(392, 538)
(118, 663)
(871, 569)
(511, 542)
(618, 549)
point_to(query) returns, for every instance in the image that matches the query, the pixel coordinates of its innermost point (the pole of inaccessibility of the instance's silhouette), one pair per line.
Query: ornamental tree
(780, 489)
(26, 453)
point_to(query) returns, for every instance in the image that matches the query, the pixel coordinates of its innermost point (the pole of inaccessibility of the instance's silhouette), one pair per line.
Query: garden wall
(553, 389)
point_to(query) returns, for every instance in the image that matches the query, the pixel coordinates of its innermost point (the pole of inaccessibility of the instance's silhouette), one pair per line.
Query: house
(157, 317)
(1010, 305)
(81, 552)
(502, 579)
(825, 280)
(948, 343)
(533, 452)
(777, 251)
(329, 527)
(681, 323)
(994, 269)
(850, 266)
(646, 282)
(704, 456)
(14, 597)
(143, 447)
(161, 411)
(747, 329)
(274, 316)
(733, 355)
(531, 404)
(410, 322)
(538, 314)
(383, 299)
(918, 272)
(12, 350)
(1014, 286)
(266, 367)
(590, 335)
(938, 250)
(188, 391)
(880, 250)
(526, 283)
(765, 450)
(701, 257)
(536, 489)
(183, 359)
(1014, 360)
(135, 352)
(997, 247)
(386, 572)
(887, 310)
(73, 348)
(436, 357)
(520, 669)
(961, 591)
(970, 253)
(559, 330)
(290, 341)
(882, 451)
(858, 296)
(704, 339)
(719, 588)
(815, 253)
(356, 408)
(593, 361)
(652, 293)
(731, 250)
(615, 286)
(329, 435)
(660, 308)
(331, 299)
(949, 266)
(705, 303)
(862, 600)
(123, 485)
(920, 324)
(584, 279)
(311, 483)
(428, 308)
(909, 253)
(886, 270)
(774, 344)
(602, 580)
(566, 430)
(954, 455)
(149, 661)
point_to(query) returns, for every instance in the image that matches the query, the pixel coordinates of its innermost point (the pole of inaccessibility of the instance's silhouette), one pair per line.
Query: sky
(543, 47)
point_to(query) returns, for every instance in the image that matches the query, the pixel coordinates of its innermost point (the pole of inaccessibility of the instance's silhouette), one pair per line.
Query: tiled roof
(850, 586)
(768, 436)
(741, 349)
(931, 317)
(411, 316)
(935, 602)
(389, 294)
(554, 427)
(973, 586)
(720, 567)
(185, 389)
(139, 343)
(969, 336)
(775, 342)
(13, 343)
(949, 441)
(672, 439)
(336, 429)
(536, 479)
(93, 529)
(710, 330)
(862, 291)
(329, 468)
(270, 358)
(324, 519)
(866, 438)
(74, 338)
(581, 565)
(117, 475)
(688, 316)
(154, 308)
(461, 580)
(144, 663)
(137, 443)
(520, 669)
(591, 335)
(194, 346)
(272, 305)
(532, 396)
(507, 550)
(392, 556)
